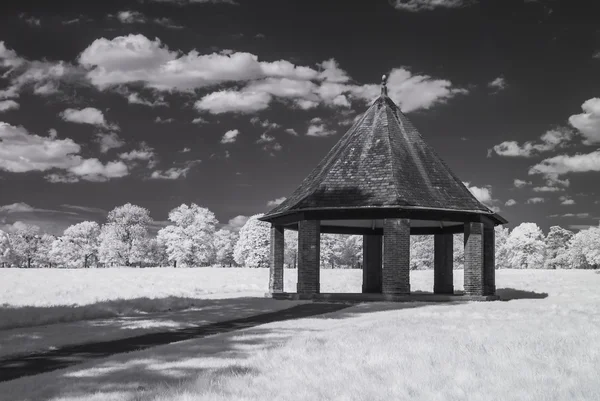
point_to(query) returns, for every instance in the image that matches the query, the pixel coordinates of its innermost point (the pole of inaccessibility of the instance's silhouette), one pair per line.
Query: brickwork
(276, 259)
(396, 256)
(372, 263)
(443, 264)
(309, 234)
(474, 259)
(489, 260)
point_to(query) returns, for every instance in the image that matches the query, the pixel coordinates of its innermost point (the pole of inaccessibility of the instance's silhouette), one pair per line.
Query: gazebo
(384, 182)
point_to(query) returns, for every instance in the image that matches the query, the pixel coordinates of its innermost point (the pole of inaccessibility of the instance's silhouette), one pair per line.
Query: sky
(229, 104)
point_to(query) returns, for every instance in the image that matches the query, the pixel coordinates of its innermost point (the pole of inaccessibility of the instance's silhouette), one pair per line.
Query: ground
(542, 343)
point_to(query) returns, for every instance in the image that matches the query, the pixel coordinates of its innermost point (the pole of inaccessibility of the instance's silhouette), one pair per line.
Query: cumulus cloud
(143, 153)
(174, 173)
(521, 183)
(160, 120)
(588, 122)
(230, 136)
(109, 141)
(135, 98)
(551, 140)
(535, 200)
(565, 200)
(88, 115)
(319, 130)
(233, 101)
(6, 105)
(563, 164)
(427, 5)
(511, 202)
(291, 131)
(237, 222)
(131, 17)
(498, 84)
(264, 123)
(547, 189)
(22, 152)
(265, 138)
(276, 202)
(483, 194)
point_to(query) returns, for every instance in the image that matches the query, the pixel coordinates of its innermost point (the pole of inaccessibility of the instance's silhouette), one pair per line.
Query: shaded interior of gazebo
(382, 181)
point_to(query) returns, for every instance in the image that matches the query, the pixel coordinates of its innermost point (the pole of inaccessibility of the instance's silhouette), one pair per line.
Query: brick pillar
(443, 264)
(396, 256)
(372, 252)
(489, 260)
(474, 259)
(276, 259)
(309, 233)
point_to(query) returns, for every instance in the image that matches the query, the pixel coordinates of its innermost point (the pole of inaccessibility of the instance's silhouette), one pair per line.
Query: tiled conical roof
(381, 161)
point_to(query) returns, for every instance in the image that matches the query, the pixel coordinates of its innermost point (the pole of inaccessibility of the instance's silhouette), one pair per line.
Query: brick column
(443, 264)
(474, 259)
(396, 256)
(372, 252)
(309, 236)
(489, 260)
(276, 259)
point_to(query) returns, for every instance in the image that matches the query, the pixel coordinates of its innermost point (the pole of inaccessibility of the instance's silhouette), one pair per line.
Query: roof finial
(384, 85)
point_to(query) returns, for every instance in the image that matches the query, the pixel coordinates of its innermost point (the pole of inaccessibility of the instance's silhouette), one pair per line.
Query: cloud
(265, 138)
(318, 130)
(159, 120)
(510, 202)
(230, 136)
(6, 105)
(88, 115)
(498, 84)
(233, 101)
(174, 173)
(427, 5)
(185, 150)
(131, 17)
(9, 58)
(16, 207)
(588, 122)
(596, 55)
(276, 202)
(563, 164)
(143, 153)
(94, 170)
(134, 98)
(199, 120)
(188, 2)
(535, 200)
(483, 194)
(521, 183)
(565, 200)
(291, 131)
(109, 141)
(551, 140)
(31, 21)
(237, 222)
(264, 124)
(547, 189)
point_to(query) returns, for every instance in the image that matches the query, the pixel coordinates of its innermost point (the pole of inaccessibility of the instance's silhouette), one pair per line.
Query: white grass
(523, 349)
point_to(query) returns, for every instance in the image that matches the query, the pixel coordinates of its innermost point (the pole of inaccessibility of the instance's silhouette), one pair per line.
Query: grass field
(542, 344)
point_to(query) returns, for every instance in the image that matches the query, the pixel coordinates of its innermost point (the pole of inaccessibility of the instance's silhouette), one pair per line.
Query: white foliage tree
(501, 248)
(252, 247)
(328, 250)
(5, 249)
(25, 244)
(189, 242)
(458, 251)
(43, 255)
(421, 252)
(526, 247)
(584, 249)
(124, 238)
(156, 254)
(557, 241)
(224, 243)
(349, 251)
(290, 256)
(78, 246)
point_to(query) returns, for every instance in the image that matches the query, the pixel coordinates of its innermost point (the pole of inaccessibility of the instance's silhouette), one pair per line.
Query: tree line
(192, 239)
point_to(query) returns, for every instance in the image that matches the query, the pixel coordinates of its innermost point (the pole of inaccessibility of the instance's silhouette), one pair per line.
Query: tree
(78, 246)
(556, 248)
(290, 256)
(458, 251)
(421, 252)
(349, 250)
(584, 249)
(501, 249)
(43, 256)
(328, 250)
(526, 247)
(25, 244)
(156, 254)
(252, 247)
(124, 238)
(224, 242)
(189, 242)
(5, 248)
